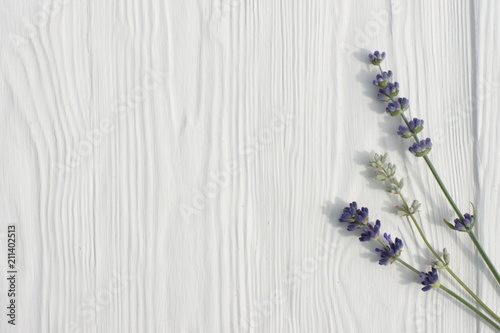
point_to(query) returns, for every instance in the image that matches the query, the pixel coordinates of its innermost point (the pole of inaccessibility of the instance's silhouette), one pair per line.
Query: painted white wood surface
(179, 166)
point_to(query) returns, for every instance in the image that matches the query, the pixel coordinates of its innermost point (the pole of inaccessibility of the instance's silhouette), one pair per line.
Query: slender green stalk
(455, 208)
(407, 265)
(452, 203)
(467, 304)
(484, 255)
(477, 299)
(451, 293)
(443, 188)
(448, 269)
(435, 174)
(421, 232)
(445, 265)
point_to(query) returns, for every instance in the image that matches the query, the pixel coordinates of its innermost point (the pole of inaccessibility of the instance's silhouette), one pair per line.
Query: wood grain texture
(179, 166)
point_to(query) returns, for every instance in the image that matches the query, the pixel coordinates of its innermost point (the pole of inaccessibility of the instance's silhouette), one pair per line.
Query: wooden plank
(180, 166)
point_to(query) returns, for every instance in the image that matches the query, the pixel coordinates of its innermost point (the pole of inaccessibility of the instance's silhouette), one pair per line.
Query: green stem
(448, 269)
(484, 255)
(452, 203)
(455, 208)
(443, 188)
(477, 299)
(421, 232)
(435, 174)
(451, 293)
(467, 304)
(407, 265)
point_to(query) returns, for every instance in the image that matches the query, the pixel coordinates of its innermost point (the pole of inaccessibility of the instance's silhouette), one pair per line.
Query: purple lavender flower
(404, 102)
(430, 280)
(370, 233)
(388, 92)
(421, 148)
(404, 132)
(382, 80)
(393, 108)
(465, 223)
(391, 251)
(357, 218)
(416, 125)
(376, 58)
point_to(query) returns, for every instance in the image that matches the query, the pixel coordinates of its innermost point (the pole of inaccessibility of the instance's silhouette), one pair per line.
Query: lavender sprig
(386, 171)
(391, 252)
(420, 149)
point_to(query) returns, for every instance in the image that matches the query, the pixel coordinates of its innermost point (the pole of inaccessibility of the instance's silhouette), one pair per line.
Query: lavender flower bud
(357, 218)
(430, 280)
(376, 58)
(382, 80)
(388, 92)
(395, 186)
(404, 102)
(437, 264)
(446, 256)
(393, 108)
(370, 233)
(406, 210)
(378, 161)
(404, 132)
(422, 148)
(390, 252)
(416, 125)
(464, 224)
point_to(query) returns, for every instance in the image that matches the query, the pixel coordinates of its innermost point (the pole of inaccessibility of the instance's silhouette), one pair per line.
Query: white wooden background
(179, 166)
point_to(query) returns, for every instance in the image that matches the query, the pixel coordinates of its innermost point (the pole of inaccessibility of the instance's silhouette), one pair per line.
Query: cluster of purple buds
(371, 232)
(465, 224)
(404, 132)
(395, 108)
(430, 280)
(391, 251)
(376, 58)
(357, 218)
(415, 126)
(382, 80)
(388, 92)
(422, 148)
